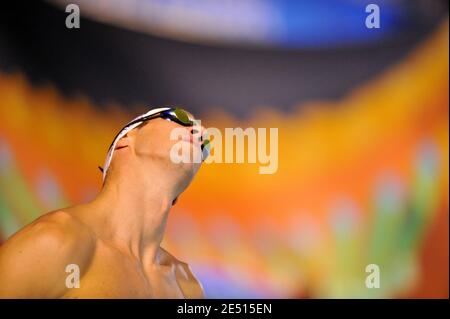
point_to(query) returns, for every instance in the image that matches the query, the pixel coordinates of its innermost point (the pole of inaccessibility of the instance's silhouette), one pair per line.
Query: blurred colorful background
(363, 133)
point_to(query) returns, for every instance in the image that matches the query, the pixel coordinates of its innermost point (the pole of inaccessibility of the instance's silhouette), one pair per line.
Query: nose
(198, 131)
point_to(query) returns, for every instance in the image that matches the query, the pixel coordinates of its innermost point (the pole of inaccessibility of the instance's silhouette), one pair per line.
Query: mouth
(205, 147)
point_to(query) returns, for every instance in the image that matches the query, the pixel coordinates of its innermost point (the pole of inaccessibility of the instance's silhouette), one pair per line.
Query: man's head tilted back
(121, 230)
(142, 148)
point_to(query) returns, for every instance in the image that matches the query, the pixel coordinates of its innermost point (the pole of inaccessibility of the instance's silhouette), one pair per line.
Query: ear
(125, 141)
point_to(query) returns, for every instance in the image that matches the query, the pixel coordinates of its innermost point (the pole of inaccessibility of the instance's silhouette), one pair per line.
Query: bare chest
(112, 276)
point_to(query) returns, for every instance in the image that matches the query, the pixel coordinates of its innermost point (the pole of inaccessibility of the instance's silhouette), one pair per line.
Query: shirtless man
(114, 240)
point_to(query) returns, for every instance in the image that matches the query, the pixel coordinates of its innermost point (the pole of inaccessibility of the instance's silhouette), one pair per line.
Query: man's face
(153, 142)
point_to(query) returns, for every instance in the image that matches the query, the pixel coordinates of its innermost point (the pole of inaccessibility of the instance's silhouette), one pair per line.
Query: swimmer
(115, 239)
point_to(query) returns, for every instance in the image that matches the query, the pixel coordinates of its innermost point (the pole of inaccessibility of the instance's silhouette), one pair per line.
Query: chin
(186, 174)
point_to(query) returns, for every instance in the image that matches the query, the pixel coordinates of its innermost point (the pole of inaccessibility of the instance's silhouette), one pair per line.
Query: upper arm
(192, 288)
(33, 262)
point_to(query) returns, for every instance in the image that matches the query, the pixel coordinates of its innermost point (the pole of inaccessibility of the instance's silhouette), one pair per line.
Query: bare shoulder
(55, 230)
(33, 260)
(190, 285)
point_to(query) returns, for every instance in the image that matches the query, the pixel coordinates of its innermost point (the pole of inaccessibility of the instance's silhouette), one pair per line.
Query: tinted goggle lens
(182, 116)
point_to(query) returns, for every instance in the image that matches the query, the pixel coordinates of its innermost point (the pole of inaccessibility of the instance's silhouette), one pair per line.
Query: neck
(131, 211)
